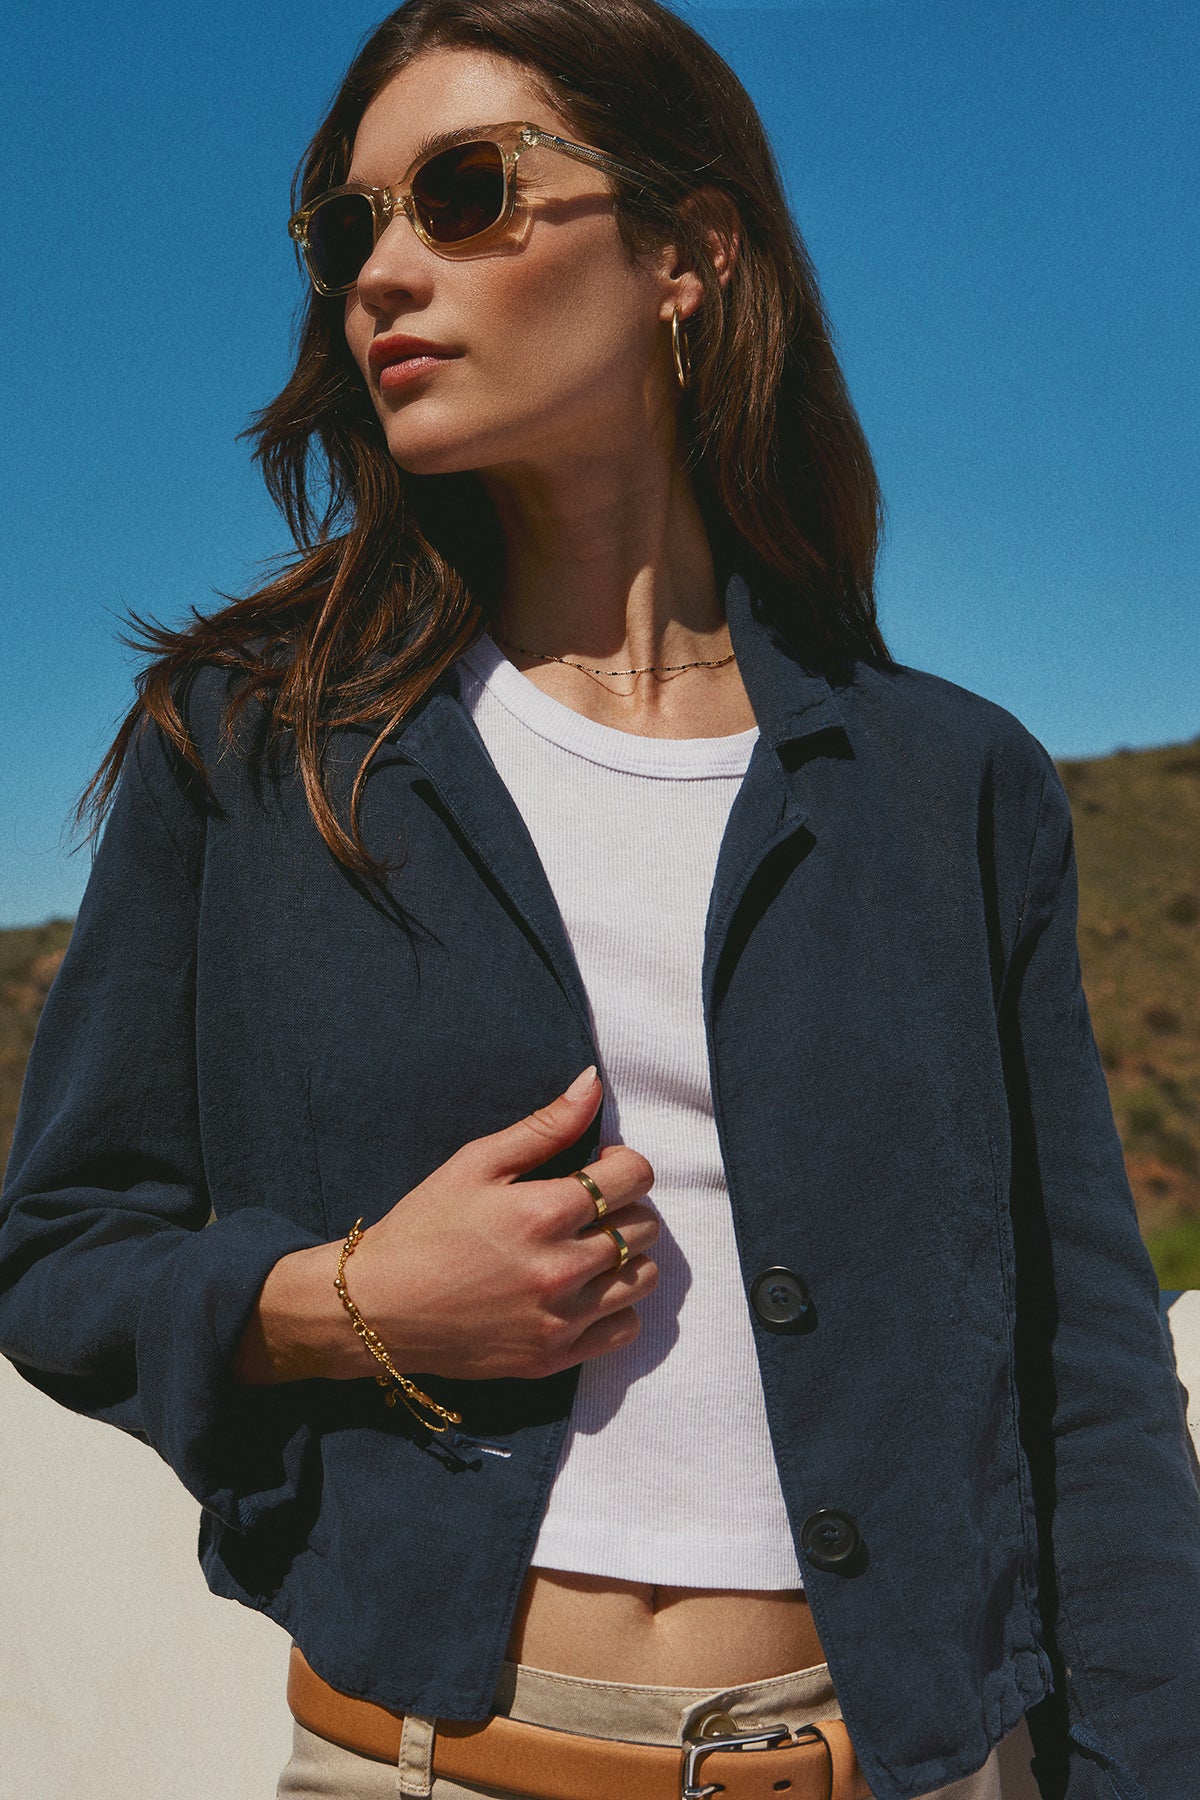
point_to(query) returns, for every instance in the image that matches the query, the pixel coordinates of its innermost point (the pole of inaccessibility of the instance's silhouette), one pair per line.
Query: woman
(801, 1368)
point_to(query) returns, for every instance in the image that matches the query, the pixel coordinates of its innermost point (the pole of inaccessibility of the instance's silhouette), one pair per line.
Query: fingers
(599, 1251)
(534, 1139)
(621, 1173)
(615, 1289)
(610, 1333)
(624, 1178)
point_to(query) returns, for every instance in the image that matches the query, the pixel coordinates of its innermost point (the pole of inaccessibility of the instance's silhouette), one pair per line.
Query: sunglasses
(460, 188)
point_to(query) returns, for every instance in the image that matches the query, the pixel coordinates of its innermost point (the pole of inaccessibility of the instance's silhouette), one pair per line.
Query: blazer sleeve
(1113, 1466)
(118, 1297)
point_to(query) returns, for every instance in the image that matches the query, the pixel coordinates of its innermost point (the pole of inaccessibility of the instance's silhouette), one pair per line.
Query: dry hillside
(1137, 836)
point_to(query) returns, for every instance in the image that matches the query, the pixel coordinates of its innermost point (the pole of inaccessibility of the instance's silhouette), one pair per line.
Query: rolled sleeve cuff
(226, 1440)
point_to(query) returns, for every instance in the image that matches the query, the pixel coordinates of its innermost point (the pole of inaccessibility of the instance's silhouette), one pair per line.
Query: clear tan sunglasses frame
(511, 138)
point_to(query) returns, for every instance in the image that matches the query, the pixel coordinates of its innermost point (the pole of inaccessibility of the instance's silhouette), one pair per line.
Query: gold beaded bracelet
(406, 1391)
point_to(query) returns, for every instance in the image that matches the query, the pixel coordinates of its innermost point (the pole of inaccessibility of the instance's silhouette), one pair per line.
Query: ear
(714, 213)
(718, 216)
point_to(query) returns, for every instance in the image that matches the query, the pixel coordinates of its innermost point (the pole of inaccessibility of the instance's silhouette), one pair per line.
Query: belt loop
(416, 1757)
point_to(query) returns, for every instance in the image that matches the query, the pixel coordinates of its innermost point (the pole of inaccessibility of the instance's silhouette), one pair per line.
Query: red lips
(396, 348)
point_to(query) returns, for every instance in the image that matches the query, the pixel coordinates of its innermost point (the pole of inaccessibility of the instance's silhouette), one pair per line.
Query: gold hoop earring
(679, 349)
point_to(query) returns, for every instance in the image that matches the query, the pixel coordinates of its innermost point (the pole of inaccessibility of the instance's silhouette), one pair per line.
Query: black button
(829, 1539)
(780, 1297)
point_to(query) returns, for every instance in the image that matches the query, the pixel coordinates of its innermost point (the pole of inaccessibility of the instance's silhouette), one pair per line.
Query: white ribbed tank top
(667, 1473)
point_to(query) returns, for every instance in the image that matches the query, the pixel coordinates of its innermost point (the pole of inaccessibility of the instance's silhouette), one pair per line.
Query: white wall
(121, 1677)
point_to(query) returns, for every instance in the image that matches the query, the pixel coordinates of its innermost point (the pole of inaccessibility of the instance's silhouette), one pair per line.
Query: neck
(607, 563)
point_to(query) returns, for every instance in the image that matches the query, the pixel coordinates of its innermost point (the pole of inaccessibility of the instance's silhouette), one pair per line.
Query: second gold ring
(621, 1246)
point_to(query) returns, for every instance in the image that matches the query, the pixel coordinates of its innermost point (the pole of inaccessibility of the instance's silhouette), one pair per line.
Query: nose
(399, 264)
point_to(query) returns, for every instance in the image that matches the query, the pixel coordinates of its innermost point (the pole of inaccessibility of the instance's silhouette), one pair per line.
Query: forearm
(299, 1328)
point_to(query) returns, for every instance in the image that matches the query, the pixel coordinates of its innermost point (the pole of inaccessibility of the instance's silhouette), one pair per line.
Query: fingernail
(582, 1083)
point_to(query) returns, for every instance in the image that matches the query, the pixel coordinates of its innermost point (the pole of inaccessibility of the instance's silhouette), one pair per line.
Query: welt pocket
(1124, 1785)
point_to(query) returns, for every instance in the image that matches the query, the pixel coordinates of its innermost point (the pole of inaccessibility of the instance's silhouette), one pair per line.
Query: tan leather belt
(535, 1763)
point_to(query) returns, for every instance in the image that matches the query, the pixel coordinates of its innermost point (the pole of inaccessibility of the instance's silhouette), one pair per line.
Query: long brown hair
(393, 573)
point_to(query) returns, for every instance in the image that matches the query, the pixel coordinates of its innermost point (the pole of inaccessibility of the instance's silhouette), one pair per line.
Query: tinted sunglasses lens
(341, 236)
(460, 192)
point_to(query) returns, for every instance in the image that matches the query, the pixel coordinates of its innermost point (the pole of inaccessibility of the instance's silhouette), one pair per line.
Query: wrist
(402, 1388)
(299, 1328)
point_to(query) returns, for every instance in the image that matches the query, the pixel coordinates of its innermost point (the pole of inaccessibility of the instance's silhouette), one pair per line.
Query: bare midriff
(630, 1631)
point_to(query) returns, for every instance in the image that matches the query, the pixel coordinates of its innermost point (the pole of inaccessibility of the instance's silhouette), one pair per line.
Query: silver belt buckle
(768, 1737)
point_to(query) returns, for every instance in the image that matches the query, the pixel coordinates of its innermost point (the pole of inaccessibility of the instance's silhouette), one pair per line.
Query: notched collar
(790, 701)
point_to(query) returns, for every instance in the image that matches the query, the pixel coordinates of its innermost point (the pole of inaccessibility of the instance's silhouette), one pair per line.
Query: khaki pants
(644, 1715)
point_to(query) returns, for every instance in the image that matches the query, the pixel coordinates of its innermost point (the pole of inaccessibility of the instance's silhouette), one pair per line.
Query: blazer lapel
(790, 703)
(444, 742)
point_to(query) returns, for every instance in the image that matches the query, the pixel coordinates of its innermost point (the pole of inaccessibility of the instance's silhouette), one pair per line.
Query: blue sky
(1001, 200)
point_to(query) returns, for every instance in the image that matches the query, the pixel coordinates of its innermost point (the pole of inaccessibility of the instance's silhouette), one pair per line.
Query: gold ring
(621, 1245)
(601, 1203)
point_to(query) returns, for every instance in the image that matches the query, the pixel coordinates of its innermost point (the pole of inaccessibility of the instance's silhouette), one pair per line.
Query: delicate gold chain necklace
(650, 669)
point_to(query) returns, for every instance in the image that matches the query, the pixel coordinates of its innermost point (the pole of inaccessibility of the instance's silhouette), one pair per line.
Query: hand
(474, 1274)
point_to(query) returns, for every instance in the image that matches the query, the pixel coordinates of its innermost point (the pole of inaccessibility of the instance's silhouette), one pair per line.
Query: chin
(426, 452)
(441, 447)
(447, 459)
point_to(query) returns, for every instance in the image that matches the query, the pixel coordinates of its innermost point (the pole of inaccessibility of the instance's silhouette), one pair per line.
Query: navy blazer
(978, 1425)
